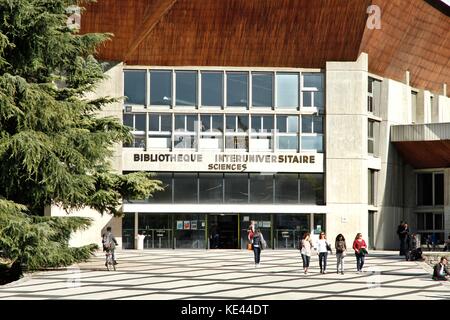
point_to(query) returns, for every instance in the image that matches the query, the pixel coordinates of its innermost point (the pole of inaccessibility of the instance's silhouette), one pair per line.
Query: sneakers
(324, 271)
(342, 272)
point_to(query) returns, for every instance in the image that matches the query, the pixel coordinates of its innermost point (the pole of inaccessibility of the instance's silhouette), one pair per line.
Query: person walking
(305, 246)
(258, 244)
(360, 247)
(403, 232)
(341, 252)
(322, 248)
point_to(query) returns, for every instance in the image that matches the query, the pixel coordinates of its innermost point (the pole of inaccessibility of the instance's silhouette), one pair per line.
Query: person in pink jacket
(360, 247)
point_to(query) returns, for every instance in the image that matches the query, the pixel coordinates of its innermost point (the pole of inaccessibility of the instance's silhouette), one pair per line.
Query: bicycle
(109, 261)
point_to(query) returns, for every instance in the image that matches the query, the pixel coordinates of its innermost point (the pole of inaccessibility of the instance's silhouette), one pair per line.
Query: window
(212, 89)
(287, 90)
(370, 137)
(236, 188)
(371, 187)
(312, 133)
(311, 188)
(287, 129)
(261, 133)
(211, 187)
(429, 224)
(430, 189)
(286, 188)
(313, 90)
(161, 88)
(166, 195)
(160, 131)
(261, 188)
(186, 88)
(185, 131)
(136, 121)
(236, 132)
(185, 188)
(262, 89)
(413, 106)
(135, 85)
(211, 131)
(373, 96)
(237, 89)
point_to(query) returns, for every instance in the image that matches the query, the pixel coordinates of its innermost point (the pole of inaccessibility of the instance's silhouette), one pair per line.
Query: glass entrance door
(157, 230)
(223, 231)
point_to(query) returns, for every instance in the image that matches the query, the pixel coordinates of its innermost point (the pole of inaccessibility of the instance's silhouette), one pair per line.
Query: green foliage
(53, 147)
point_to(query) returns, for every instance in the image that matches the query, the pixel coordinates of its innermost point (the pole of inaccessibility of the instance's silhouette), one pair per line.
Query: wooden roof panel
(414, 36)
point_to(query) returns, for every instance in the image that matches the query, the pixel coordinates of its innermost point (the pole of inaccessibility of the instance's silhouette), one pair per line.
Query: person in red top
(360, 247)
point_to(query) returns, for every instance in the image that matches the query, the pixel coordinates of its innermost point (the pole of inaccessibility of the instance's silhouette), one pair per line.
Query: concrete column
(346, 151)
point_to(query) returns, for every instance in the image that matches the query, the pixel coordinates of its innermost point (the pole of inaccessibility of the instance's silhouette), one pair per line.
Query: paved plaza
(230, 274)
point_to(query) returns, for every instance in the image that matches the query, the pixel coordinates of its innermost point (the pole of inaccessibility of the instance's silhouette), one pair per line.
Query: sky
(446, 1)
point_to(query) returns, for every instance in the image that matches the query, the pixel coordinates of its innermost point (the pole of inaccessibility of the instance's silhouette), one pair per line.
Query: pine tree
(53, 148)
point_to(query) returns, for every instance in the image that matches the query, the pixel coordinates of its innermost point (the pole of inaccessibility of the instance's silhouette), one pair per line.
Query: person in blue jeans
(258, 244)
(323, 246)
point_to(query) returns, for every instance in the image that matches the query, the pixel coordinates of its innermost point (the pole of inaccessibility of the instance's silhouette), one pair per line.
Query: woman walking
(341, 252)
(305, 246)
(323, 247)
(360, 247)
(258, 244)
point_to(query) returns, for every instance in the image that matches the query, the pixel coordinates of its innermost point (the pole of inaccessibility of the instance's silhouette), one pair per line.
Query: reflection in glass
(311, 188)
(211, 188)
(287, 90)
(237, 89)
(135, 86)
(186, 88)
(212, 89)
(261, 188)
(286, 188)
(236, 188)
(161, 88)
(185, 187)
(262, 93)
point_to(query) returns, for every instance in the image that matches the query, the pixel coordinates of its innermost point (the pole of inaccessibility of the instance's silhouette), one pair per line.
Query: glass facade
(228, 188)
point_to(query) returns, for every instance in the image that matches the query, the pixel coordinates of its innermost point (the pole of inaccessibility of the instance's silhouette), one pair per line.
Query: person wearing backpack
(109, 243)
(341, 252)
(258, 244)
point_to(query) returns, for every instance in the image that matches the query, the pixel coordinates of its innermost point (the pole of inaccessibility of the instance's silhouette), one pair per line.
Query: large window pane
(212, 89)
(153, 122)
(286, 188)
(186, 88)
(439, 189)
(262, 93)
(211, 188)
(261, 188)
(307, 124)
(242, 123)
(311, 188)
(438, 221)
(313, 80)
(139, 122)
(166, 195)
(288, 142)
(312, 143)
(217, 123)
(292, 124)
(237, 89)
(160, 88)
(166, 123)
(425, 189)
(185, 187)
(236, 188)
(128, 120)
(135, 86)
(287, 90)
(429, 221)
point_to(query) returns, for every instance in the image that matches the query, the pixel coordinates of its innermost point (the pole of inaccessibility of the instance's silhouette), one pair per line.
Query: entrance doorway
(223, 231)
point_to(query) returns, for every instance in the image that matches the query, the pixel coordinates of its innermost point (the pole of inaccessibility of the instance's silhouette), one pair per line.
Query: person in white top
(305, 247)
(323, 246)
(140, 241)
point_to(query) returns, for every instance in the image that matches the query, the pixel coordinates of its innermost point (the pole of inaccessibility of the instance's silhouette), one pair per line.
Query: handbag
(249, 246)
(329, 248)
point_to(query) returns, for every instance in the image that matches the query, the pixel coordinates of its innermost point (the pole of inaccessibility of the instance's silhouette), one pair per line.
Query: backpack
(108, 243)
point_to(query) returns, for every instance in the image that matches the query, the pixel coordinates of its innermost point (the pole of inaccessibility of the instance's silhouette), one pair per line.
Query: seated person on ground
(440, 271)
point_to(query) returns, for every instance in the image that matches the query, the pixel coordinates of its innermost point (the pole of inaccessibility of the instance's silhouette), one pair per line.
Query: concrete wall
(112, 86)
(346, 148)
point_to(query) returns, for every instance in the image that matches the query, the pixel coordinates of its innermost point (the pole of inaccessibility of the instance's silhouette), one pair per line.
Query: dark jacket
(437, 270)
(340, 246)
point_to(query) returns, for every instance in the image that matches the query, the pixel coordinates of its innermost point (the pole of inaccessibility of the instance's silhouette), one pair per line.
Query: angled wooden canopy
(414, 35)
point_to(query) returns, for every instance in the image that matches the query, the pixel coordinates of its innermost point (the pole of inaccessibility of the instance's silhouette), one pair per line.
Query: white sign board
(221, 162)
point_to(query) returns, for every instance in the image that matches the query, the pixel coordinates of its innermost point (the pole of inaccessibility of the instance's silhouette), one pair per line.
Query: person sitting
(440, 271)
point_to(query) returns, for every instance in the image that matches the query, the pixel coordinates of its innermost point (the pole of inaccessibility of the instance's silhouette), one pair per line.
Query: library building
(303, 116)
